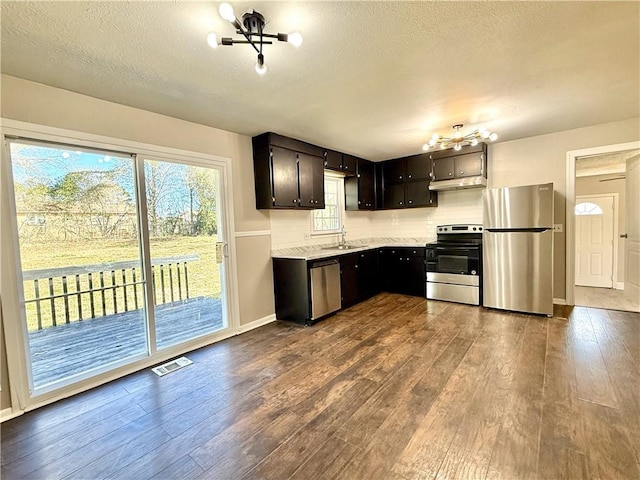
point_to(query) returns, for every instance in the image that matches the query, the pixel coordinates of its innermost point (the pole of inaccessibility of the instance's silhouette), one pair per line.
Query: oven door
(455, 259)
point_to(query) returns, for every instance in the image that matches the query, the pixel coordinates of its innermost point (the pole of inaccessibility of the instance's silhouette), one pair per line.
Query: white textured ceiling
(374, 79)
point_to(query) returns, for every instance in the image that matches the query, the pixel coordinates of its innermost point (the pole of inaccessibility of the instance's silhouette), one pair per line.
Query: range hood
(458, 183)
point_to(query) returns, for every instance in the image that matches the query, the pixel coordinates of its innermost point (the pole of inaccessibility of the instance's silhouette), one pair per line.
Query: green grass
(203, 274)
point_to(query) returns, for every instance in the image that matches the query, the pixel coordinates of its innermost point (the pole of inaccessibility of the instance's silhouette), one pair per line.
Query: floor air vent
(171, 366)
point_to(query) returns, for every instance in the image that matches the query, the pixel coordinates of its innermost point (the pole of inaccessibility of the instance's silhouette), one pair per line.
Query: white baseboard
(559, 301)
(257, 323)
(8, 414)
(618, 285)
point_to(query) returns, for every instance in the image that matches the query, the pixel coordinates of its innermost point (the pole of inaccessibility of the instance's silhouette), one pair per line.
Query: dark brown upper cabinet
(417, 167)
(467, 162)
(360, 193)
(409, 195)
(405, 183)
(333, 160)
(288, 173)
(393, 171)
(310, 181)
(340, 162)
(284, 172)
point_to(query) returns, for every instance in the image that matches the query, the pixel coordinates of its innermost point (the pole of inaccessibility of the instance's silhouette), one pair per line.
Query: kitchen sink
(344, 247)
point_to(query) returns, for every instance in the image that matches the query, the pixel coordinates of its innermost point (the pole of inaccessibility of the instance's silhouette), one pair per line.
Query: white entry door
(632, 243)
(594, 241)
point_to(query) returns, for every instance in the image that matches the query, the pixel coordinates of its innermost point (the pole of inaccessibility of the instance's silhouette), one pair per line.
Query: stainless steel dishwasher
(326, 296)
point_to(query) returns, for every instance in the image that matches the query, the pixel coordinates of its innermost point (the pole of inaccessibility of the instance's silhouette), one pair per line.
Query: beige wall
(44, 105)
(594, 186)
(543, 159)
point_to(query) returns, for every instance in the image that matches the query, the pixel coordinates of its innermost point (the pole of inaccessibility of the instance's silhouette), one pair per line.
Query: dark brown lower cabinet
(402, 270)
(358, 276)
(349, 279)
(362, 275)
(368, 274)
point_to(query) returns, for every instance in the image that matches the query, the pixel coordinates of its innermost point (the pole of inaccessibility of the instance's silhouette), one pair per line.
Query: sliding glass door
(122, 257)
(186, 245)
(83, 281)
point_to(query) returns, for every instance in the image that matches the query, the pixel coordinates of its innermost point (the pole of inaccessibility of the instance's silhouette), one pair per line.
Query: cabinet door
(349, 164)
(394, 196)
(415, 276)
(417, 194)
(392, 271)
(311, 170)
(333, 160)
(469, 165)
(443, 168)
(366, 185)
(417, 167)
(386, 266)
(368, 274)
(349, 279)
(393, 171)
(284, 166)
(398, 273)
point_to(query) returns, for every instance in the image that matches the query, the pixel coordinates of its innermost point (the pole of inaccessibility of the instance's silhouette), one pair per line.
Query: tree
(167, 197)
(203, 192)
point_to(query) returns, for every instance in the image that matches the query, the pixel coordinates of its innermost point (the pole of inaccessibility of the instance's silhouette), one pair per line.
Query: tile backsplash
(292, 228)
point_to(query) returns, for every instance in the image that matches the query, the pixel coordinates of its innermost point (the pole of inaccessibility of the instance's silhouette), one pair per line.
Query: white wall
(291, 228)
(454, 206)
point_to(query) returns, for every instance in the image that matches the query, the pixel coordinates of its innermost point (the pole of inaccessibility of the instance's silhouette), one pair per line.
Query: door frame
(21, 398)
(570, 243)
(616, 206)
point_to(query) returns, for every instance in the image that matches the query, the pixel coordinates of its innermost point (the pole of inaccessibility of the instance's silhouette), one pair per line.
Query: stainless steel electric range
(454, 264)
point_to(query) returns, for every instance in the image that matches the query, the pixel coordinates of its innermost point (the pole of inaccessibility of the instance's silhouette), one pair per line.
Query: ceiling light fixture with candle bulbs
(251, 27)
(458, 140)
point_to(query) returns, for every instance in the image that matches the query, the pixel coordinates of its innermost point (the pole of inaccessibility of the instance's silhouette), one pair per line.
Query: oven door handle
(457, 248)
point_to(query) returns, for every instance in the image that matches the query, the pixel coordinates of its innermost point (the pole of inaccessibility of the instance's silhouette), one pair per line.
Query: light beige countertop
(317, 252)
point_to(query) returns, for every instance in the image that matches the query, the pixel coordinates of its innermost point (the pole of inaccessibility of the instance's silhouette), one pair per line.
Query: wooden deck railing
(61, 295)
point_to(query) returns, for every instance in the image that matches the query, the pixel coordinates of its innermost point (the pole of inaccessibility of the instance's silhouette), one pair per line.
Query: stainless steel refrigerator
(517, 248)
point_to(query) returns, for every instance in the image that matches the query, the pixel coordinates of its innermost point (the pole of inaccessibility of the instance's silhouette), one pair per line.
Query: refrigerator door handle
(516, 230)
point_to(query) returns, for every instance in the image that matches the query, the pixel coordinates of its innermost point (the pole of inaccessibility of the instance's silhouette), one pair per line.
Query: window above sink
(329, 220)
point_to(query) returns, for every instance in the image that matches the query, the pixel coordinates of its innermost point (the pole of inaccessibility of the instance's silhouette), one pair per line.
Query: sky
(52, 164)
(44, 164)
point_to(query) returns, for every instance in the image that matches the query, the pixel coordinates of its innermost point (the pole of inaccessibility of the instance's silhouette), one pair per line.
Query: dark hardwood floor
(395, 387)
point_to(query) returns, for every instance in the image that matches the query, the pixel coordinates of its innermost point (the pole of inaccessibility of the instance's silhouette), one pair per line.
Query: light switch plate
(557, 227)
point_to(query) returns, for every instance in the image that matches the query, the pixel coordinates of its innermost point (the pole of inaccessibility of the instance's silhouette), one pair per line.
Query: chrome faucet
(343, 242)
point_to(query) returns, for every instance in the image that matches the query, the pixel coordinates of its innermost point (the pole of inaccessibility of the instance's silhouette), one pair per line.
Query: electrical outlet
(557, 227)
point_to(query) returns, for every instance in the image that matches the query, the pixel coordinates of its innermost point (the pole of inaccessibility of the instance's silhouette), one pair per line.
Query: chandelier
(251, 28)
(458, 140)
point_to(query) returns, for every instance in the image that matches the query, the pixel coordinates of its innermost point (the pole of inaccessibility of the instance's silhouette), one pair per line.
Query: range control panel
(447, 229)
